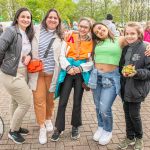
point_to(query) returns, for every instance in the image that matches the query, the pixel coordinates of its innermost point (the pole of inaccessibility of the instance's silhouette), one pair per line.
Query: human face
(24, 20)
(131, 35)
(100, 31)
(83, 28)
(52, 21)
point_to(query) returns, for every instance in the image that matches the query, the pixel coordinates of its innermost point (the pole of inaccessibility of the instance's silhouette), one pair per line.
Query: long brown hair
(58, 28)
(29, 30)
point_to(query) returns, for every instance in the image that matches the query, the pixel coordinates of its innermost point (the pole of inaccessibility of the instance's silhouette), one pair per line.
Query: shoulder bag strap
(48, 48)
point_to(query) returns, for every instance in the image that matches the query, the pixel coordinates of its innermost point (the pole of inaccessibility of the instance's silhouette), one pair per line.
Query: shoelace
(49, 124)
(42, 133)
(139, 142)
(17, 134)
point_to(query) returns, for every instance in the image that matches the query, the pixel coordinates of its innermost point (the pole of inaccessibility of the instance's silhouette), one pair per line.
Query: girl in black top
(135, 84)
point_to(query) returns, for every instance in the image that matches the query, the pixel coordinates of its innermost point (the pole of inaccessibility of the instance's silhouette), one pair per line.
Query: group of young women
(88, 58)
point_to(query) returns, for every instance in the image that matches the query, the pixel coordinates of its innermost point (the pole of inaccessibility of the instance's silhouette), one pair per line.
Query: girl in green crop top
(108, 52)
(105, 78)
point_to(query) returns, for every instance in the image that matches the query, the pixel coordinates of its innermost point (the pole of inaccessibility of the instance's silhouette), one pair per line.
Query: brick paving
(89, 126)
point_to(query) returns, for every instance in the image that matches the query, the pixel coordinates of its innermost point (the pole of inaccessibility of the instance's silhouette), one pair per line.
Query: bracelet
(68, 68)
(80, 68)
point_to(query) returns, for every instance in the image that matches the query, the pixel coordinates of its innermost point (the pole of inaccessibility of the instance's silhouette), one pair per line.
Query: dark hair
(109, 17)
(29, 30)
(58, 28)
(97, 39)
(137, 26)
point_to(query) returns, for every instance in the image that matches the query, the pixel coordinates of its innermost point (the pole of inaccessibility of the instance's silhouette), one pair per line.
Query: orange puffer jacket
(77, 49)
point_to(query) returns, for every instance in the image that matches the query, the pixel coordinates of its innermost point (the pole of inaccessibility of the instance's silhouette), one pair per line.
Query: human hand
(129, 71)
(129, 75)
(71, 72)
(76, 70)
(67, 34)
(132, 74)
(125, 74)
(26, 60)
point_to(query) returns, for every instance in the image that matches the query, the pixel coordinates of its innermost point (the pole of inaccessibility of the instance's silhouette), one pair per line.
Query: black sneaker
(16, 137)
(75, 133)
(56, 135)
(23, 131)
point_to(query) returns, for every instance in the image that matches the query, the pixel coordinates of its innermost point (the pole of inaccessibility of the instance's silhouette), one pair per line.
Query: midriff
(105, 67)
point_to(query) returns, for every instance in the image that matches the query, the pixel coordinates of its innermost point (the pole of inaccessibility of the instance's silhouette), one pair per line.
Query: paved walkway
(89, 126)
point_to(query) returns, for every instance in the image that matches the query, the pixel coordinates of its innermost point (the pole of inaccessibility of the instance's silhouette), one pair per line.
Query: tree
(122, 10)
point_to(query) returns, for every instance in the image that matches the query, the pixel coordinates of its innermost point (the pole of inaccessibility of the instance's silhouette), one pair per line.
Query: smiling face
(100, 31)
(84, 27)
(52, 20)
(131, 34)
(24, 20)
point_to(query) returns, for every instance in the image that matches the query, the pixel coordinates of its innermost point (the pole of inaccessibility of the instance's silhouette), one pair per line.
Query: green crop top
(108, 52)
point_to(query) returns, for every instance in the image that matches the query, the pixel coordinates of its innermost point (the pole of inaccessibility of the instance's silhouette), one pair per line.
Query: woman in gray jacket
(15, 54)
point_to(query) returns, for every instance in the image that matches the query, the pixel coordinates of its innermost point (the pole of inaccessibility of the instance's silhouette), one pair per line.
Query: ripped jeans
(104, 95)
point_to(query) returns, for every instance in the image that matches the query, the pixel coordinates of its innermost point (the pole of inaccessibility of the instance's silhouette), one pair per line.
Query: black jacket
(10, 50)
(136, 88)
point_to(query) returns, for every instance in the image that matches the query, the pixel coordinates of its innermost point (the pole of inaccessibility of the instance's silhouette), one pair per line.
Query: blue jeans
(104, 95)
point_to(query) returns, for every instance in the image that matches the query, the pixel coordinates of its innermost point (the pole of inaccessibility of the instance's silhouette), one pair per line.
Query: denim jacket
(107, 79)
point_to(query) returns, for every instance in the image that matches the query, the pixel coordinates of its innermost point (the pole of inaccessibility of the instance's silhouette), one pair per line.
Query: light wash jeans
(105, 87)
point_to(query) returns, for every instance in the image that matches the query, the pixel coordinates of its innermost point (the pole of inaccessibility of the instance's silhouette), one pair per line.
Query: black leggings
(133, 120)
(69, 82)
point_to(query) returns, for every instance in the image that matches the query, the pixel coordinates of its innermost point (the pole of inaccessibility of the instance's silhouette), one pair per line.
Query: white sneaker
(49, 125)
(105, 137)
(97, 134)
(43, 136)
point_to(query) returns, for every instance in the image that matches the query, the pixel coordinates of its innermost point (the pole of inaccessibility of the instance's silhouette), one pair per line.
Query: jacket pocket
(143, 87)
(9, 62)
(132, 90)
